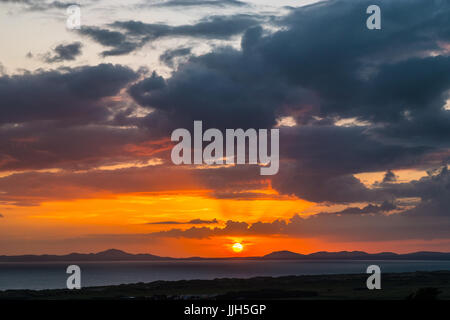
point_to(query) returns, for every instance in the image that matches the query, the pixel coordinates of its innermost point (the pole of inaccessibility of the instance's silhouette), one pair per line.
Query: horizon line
(224, 257)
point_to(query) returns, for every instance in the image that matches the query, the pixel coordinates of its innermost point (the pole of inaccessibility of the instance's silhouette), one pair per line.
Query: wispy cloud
(193, 3)
(194, 221)
(126, 36)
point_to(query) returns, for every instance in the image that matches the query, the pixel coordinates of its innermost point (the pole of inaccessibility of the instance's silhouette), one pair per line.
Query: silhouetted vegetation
(425, 294)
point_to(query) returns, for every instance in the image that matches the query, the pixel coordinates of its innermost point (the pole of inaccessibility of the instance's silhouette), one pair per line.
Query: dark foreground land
(395, 286)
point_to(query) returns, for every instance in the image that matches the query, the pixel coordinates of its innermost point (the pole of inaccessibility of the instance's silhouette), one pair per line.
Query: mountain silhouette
(119, 255)
(283, 255)
(107, 255)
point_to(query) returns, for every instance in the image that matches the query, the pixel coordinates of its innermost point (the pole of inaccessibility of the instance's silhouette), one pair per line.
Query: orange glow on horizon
(111, 221)
(121, 221)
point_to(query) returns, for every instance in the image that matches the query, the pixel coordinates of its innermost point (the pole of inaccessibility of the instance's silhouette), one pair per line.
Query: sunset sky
(86, 118)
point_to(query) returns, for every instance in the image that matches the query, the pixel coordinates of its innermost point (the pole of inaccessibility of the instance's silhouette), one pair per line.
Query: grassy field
(395, 286)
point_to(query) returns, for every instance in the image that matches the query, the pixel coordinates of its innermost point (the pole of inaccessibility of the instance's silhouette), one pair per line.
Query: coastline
(395, 286)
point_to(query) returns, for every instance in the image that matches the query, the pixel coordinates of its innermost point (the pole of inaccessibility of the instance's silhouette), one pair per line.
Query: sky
(86, 117)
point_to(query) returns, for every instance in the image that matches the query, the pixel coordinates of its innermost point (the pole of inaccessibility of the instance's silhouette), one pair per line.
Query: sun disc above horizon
(238, 247)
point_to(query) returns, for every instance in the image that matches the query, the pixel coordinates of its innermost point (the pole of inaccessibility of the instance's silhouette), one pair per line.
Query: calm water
(44, 275)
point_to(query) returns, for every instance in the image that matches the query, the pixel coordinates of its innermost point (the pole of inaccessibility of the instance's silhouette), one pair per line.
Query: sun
(237, 247)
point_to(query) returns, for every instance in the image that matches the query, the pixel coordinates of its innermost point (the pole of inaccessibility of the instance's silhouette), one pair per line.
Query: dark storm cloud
(237, 91)
(381, 76)
(70, 94)
(40, 145)
(62, 119)
(320, 161)
(318, 74)
(433, 190)
(322, 187)
(345, 70)
(64, 52)
(353, 149)
(169, 56)
(134, 34)
(369, 209)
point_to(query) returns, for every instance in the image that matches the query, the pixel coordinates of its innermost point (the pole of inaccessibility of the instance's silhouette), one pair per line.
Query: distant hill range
(118, 255)
(358, 255)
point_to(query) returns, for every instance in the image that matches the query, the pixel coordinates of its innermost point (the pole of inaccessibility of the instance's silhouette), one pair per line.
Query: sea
(52, 275)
